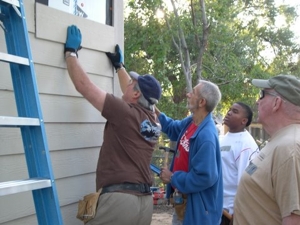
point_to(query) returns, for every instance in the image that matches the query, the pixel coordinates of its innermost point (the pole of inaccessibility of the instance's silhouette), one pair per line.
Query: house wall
(74, 128)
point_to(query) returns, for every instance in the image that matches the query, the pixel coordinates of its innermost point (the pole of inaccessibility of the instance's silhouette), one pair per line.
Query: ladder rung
(17, 186)
(13, 59)
(13, 2)
(6, 121)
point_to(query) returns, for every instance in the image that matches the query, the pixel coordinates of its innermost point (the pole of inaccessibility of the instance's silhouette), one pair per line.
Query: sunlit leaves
(245, 41)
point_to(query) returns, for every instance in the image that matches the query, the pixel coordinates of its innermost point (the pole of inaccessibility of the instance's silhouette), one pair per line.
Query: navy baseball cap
(150, 87)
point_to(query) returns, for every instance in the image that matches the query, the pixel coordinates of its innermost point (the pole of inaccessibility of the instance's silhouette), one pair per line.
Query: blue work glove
(73, 41)
(116, 58)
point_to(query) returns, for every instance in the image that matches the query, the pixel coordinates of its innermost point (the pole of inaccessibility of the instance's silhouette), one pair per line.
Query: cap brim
(261, 83)
(134, 75)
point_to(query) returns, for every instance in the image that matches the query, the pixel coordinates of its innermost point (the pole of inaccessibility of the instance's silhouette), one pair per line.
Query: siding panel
(59, 136)
(56, 109)
(29, 13)
(74, 129)
(103, 36)
(62, 136)
(7, 102)
(65, 163)
(12, 208)
(51, 54)
(61, 83)
(70, 190)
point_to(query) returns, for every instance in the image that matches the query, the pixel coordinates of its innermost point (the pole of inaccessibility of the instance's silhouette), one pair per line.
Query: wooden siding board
(70, 136)
(61, 20)
(66, 163)
(59, 109)
(54, 80)
(59, 137)
(56, 109)
(2, 42)
(29, 13)
(51, 53)
(11, 142)
(74, 129)
(13, 167)
(8, 103)
(6, 81)
(68, 194)
(28, 220)
(12, 208)
(69, 213)
(70, 190)
(75, 162)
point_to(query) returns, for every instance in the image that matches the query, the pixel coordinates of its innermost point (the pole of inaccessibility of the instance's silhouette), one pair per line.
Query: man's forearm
(77, 74)
(124, 78)
(84, 85)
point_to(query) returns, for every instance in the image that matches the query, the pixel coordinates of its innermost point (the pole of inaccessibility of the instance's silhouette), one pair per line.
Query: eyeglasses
(263, 93)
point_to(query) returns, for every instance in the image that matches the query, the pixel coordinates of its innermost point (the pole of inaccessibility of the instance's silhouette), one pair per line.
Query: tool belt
(179, 207)
(87, 207)
(141, 188)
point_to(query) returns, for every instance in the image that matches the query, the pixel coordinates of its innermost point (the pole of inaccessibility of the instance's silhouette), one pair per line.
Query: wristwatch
(71, 54)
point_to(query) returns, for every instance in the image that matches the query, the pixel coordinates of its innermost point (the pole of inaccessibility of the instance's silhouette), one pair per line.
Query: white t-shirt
(237, 150)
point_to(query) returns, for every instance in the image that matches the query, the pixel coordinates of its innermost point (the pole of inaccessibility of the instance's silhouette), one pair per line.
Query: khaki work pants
(123, 209)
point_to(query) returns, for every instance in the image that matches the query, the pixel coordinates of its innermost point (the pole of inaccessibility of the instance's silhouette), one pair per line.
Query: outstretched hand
(73, 41)
(116, 58)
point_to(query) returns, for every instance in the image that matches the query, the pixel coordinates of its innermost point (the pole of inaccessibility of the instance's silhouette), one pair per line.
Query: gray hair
(211, 93)
(142, 100)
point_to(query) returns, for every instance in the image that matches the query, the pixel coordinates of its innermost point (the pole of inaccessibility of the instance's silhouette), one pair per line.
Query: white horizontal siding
(70, 190)
(74, 129)
(66, 163)
(100, 37)
(60, 137)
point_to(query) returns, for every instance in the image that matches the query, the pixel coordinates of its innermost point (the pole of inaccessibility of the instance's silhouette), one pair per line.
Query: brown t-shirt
(130, 134)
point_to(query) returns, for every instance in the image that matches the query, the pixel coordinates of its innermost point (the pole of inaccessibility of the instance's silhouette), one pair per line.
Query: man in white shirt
(238, 148)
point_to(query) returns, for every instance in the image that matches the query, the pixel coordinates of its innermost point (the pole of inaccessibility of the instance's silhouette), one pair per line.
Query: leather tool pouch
(87, 207)
(179, 205)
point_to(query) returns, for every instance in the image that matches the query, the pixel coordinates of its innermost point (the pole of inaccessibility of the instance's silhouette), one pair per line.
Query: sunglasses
(263, 93)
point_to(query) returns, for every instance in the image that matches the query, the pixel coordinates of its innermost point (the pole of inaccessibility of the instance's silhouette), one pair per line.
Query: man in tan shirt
(269, 190)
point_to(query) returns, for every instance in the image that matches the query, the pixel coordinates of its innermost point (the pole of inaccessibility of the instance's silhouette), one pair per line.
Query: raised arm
(117, 61)
(79, 77)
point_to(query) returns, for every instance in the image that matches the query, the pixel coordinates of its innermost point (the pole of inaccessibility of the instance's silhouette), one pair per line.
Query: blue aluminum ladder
(30, 121)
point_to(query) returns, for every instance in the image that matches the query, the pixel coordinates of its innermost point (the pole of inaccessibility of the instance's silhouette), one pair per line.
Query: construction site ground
(162, 214)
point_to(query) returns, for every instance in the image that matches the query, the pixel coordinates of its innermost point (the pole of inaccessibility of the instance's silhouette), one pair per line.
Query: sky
(295, 3)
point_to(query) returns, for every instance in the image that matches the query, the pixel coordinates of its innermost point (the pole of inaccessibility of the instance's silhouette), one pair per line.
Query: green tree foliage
(243, 42)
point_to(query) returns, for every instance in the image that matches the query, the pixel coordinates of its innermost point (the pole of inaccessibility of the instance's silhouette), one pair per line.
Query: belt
(142, 188)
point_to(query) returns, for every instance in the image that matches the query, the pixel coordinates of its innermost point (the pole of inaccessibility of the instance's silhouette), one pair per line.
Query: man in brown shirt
(130, 134)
